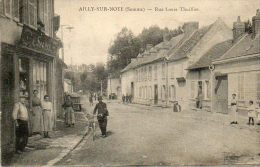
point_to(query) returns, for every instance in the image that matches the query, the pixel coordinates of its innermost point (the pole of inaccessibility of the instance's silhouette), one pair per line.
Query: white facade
(114, 86)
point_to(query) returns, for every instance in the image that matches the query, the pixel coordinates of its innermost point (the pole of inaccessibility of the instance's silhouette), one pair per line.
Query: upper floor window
(8, 6)
(1, 7)
(163, 70)
(32, 8)
(172, 71)
(16, 10)
(150, 73)
(155, 72)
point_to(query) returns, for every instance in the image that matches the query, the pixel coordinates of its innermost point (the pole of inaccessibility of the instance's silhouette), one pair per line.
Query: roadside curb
(65, 152)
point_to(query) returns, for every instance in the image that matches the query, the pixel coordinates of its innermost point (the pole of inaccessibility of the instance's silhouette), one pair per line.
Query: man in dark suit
(102, 113)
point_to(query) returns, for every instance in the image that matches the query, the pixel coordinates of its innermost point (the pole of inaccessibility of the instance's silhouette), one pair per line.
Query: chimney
(256, 23)
(190, 27)
(238, 28)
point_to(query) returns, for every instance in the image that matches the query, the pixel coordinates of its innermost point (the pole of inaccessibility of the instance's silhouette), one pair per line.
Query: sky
(94, 31)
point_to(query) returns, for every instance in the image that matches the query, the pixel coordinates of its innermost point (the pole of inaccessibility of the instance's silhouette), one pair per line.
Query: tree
(125, 47)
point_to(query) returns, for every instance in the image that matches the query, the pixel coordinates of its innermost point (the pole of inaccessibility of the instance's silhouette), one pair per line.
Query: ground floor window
(24, 77)
(40, 78)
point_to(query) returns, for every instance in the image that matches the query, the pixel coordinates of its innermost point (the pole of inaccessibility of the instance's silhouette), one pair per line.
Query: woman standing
(37, 117)
(47, 116)
(234, 109)
(69, 112)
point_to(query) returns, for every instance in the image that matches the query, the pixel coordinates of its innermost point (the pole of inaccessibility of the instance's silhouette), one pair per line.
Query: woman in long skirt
(47, 116)
(234, 109)
(69, 112)
(37, 117)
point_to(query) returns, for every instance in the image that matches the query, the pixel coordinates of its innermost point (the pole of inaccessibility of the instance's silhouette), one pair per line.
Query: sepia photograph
(130, 83)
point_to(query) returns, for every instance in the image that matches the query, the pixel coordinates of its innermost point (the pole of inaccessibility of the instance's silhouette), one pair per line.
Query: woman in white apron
(47, 116)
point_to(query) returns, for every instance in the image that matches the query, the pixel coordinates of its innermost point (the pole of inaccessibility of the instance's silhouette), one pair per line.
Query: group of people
(253, 112)
(127, 98)
(40, 120)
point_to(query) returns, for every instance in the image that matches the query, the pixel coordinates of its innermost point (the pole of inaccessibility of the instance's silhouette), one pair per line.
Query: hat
(23, 96)
(100, 98)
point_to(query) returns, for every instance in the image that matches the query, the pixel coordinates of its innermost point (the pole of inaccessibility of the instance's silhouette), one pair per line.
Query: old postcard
(130, 83)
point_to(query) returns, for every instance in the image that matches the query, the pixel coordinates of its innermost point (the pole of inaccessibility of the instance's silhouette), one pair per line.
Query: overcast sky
(94, 31)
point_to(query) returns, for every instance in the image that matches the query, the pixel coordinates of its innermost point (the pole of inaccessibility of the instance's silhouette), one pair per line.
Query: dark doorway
(221, 91)
(155, 94)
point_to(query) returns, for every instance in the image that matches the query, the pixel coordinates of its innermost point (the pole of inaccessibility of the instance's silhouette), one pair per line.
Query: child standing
(251, 112)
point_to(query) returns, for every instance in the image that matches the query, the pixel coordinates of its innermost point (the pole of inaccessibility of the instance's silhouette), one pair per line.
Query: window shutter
(16, 9)
(1, 7)
(7, 8)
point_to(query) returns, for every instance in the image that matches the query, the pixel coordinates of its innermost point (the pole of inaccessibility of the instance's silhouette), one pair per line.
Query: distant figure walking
(91, 100)
(176, 107)
(251, 112)
(47, 116)
(123, 98)
(234, 109)
(102, 113)
(69, 112)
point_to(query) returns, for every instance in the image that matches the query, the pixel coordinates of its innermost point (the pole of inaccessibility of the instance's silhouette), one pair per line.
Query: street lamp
(69, 28)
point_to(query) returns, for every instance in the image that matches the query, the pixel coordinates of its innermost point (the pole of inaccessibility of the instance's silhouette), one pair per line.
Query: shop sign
(37, 40)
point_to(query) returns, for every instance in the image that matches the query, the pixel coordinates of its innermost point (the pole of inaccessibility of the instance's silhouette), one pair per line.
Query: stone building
(29, 51)
(159, 75)
(238, 70)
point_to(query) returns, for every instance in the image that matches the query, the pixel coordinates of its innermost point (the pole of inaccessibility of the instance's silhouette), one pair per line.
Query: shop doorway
(24, 87)
(132, 91)
(155, 94)
(7, 103)
(221, 92)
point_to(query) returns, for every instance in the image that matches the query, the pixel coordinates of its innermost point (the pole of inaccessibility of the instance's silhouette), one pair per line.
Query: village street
(144, 135)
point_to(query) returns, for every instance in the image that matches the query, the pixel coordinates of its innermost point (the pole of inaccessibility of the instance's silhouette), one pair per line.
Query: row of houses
(199, 68)
(29, 60)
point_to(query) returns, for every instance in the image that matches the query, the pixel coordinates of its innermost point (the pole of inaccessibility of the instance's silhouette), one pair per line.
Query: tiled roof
(188, 44)
(244, 46)
(213, 53)
(158, 52)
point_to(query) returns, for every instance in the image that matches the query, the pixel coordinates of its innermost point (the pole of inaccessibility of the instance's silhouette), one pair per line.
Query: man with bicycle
(102, 113)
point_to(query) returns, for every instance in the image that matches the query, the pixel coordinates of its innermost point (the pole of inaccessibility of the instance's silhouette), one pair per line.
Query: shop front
(27, 65)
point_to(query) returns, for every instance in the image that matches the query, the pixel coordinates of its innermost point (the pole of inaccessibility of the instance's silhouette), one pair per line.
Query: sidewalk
(47, 151)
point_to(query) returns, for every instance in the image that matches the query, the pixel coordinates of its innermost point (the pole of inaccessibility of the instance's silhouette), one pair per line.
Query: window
(16, 10)
(258, 86)
(32, 7)
(1, 7)
(8, 6)
(192, 90)
(207, 90)
(241, 86)
(155, 72)
(172, 71)
(150, 73)
(173, 92)
(47, 12)
(145, 74)
(163, 70)
(40, 78)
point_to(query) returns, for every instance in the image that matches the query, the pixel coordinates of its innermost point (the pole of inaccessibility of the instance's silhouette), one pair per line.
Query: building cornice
(243, 57)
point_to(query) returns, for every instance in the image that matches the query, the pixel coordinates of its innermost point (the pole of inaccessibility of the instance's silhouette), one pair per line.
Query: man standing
(102, 114)
(20, 116)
